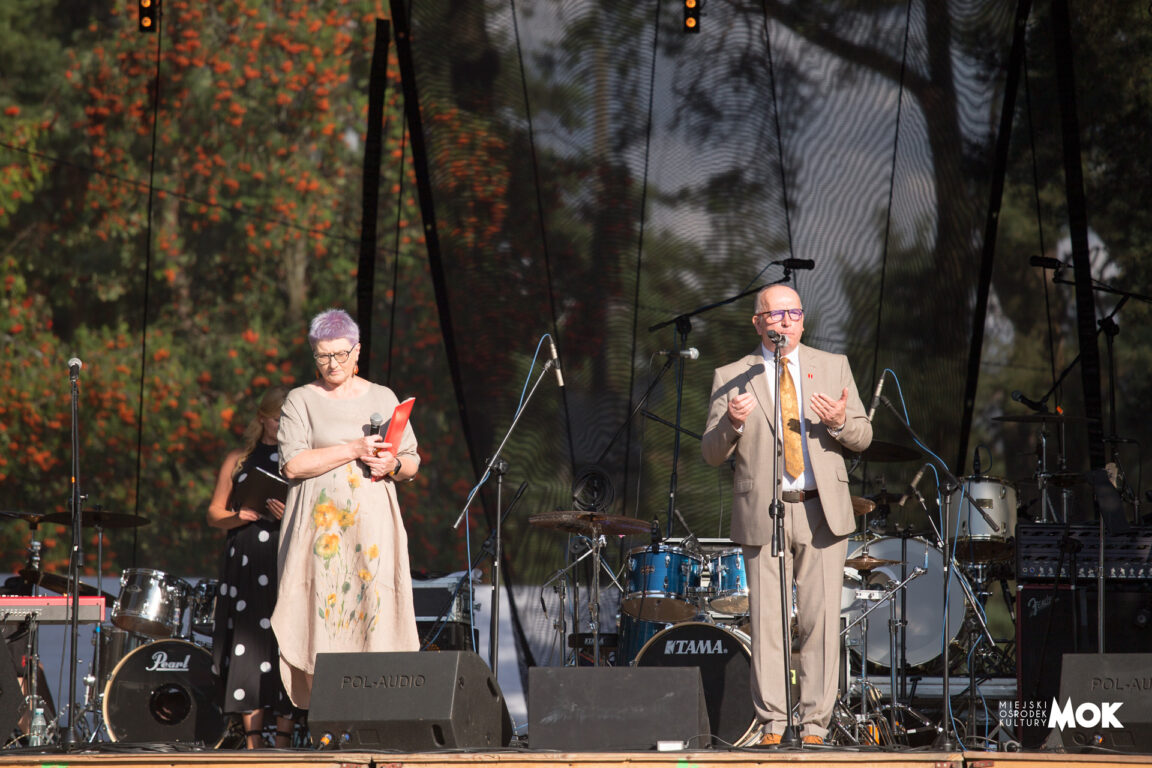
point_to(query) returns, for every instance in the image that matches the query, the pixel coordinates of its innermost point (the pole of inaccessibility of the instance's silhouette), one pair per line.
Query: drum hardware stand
(594, 545)
(945, 739)
(878, 597)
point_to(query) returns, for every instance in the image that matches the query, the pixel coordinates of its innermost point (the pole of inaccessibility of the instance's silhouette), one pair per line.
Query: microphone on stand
(1039, 407)
(798, 263)
(655, 534)
(912, 489)
(688, 354)
(976, 461)
(1047, 262)
(556, 363)
(876, 396)
(74, 366)
(777, 338)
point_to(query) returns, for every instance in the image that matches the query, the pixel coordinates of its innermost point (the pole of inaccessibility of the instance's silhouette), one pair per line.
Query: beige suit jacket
(753, 450)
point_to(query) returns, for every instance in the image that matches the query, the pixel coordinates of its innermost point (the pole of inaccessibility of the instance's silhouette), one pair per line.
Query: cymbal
(1036, 418)
(591, 523)
(55, 582)
(862, 506)
(97, 519)
(882, 451)
(867, 562)
(32, 518)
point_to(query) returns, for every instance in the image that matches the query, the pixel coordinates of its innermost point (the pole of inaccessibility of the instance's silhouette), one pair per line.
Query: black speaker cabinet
(1052, 621)
(581, 709)
(408, 701)
(1105, 701)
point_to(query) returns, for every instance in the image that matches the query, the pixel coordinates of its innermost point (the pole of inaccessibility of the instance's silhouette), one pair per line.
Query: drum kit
(150, 676)
(685, 602)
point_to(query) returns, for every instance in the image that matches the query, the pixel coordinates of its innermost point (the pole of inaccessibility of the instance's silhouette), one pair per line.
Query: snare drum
(728, 587)
(982, 531)
(663, 582)
(204, 606)
(150, 603)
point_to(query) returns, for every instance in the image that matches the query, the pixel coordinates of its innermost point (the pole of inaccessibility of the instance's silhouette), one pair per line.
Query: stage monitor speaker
(581, 709)
(1106, 702)
(1052, 621)
(407, 701)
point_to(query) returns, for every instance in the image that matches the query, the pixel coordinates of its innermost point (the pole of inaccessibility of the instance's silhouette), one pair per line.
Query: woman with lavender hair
(345, 582)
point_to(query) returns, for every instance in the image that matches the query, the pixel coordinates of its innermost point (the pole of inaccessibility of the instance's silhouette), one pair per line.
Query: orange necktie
(790, 415)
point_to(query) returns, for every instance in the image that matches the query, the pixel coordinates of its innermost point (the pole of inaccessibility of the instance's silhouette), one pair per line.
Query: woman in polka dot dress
(244, 647)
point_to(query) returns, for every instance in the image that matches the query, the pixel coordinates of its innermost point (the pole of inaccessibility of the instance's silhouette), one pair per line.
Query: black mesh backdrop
(598, 172)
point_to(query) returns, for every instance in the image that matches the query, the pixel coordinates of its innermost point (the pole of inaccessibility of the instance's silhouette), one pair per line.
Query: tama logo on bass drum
(694, 647)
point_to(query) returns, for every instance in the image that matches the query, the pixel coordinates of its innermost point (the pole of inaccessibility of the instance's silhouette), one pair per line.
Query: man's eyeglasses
(776, 315)
(340, 357)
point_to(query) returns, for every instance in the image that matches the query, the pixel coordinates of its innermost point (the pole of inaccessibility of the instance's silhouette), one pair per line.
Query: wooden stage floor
(127, 756)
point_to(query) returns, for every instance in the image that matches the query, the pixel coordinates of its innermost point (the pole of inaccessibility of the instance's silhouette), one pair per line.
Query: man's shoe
(811, 739)
(769, 740)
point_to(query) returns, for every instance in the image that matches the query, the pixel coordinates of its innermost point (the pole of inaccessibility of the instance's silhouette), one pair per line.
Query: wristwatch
(396, 470)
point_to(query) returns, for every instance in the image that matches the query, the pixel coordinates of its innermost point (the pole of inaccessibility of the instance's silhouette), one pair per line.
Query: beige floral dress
(345, 582)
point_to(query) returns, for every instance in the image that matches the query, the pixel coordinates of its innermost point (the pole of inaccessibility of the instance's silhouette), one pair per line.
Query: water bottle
(38, 733)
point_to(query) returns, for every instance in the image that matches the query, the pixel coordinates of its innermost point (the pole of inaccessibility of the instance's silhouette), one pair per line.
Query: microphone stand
(499, 467)
(75, 559)
(790, 738)
(683, 325)
(945, 740)
(492, 462)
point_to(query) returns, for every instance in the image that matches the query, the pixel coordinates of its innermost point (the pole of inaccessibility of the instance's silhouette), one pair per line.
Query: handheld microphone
(1047, 262)
(74, 366)
(375, 421)
(688, 354)
(912, 489)
(798, 263)
(1039, 407)
(876, 396)
(556, 363)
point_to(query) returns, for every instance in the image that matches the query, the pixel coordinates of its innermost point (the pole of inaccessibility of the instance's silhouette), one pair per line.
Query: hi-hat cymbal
(97, 519)
(1036, 418)
(862, 506)
(867, 562)
(882, 451)
(590, 523)
(55, 582)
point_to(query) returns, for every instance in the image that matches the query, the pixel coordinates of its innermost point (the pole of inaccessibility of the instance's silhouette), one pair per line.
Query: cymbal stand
(595, 544)
(878, 597)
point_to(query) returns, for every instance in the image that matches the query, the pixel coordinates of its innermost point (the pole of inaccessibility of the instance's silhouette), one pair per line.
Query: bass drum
(165, 691)
(724, 657)
(924, 630)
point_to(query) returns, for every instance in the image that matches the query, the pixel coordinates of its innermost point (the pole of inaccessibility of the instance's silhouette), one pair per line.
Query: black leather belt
(795, 497)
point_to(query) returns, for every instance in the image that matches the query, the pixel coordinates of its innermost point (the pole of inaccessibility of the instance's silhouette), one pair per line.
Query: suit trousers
(814, 559)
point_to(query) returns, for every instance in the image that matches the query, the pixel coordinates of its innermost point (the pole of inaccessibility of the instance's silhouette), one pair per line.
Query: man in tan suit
(821, 409)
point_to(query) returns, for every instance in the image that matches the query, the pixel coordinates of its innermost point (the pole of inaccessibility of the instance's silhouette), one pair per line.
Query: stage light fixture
(691, 15)
(148, 14)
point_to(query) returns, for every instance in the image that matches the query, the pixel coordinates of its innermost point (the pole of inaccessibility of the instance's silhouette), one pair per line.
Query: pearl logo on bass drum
(160, 663)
